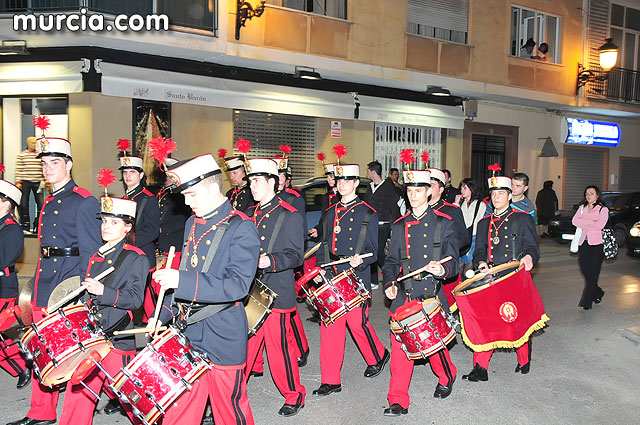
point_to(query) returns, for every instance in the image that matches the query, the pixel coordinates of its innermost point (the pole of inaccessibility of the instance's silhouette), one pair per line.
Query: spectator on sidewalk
(547, 205)
(473, 210)
(450, 192)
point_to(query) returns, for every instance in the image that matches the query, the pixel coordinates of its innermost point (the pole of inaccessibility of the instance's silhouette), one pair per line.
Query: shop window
(150, 119)
(268, 131)
(334, 8)
(390, 139)
(442, 19)
(535, 28)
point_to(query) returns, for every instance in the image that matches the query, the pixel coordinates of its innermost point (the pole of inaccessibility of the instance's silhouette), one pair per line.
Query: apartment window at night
(530, 30)
(441, 19)
(333, 8)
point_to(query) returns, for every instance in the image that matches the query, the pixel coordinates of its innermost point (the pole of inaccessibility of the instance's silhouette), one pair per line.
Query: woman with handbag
(473, 209)
(591, 218)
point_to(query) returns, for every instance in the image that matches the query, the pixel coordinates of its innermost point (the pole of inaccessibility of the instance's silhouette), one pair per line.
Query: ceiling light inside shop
(437, 91)
(307, 73)
(13, 47)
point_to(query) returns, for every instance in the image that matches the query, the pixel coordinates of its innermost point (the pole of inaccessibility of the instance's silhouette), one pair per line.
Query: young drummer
(11, 245)
(115, 298)
(415, 244)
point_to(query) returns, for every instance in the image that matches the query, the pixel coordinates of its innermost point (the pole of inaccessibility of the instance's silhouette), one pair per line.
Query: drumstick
(78, 291)
(167, 266)
(311, 251)
(421, 269)
(138, 331)
(346, 260)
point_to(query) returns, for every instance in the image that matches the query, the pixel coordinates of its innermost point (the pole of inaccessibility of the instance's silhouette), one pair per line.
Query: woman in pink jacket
(591, 217)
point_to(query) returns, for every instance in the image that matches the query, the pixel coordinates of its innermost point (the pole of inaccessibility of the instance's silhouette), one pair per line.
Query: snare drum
(59, 342)
(257, 305)
(337, 297)
(423, 328)
(158, 375)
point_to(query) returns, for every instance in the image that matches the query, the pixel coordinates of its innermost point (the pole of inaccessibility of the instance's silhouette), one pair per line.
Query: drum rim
(460, 289)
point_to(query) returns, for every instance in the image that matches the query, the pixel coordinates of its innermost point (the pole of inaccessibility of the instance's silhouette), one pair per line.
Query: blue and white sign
(592, 133)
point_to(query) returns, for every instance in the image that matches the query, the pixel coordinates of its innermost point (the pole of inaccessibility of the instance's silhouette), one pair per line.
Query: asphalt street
(584, 370)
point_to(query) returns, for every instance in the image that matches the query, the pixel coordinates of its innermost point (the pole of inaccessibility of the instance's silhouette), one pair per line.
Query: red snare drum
(158, 375)
(337, 297)
(60, 341)
(423, 328)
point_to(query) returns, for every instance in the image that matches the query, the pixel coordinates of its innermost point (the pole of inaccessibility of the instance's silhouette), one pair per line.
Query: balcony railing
(622, 85)
(199, 14)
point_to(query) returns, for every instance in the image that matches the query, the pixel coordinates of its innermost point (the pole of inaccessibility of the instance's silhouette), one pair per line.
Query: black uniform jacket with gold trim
(516, 237)
(123, 290)
(67, 220)
(222, 336)
(241, 198)
(147, 225)
(413, 238)
(327, 200)
(294, 198)
(173, 216)
(454, 211)
(287, 250)
(350, 218)
(11, 245)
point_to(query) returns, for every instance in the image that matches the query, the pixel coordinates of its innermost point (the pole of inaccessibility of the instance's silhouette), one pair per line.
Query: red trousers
(152, 289)
(332, 342)
(79, 403)
(44, 400)
(11, 358)
(225, 387)
(402, 370)
(482, 357)
(276, 335)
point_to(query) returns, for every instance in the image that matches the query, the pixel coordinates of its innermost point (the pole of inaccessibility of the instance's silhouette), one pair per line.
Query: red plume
(222, 153)
(160, 148)
(42, 122)
(494, 167)
(321, 156)
(339, 151)
(425, 158)
(2, 168)
(279, 156)
(105, 178)
(286, 149)
(408, 156)
(243, 145)
(124, 145)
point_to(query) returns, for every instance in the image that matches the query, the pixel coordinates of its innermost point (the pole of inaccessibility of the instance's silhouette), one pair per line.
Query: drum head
(65, 287)
(24, 302)
(65, 369)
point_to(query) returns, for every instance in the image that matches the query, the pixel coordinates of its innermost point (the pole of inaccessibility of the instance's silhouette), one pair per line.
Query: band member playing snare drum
(281, 248)
(217, 268)
(419, 239)
(350, 229)
(114, 298)
(503, 236)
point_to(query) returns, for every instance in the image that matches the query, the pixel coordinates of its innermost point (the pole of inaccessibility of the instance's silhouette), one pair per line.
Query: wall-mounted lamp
(13, 47)
(307, 73)
(608, 57)
(437, 91)
(244, 12)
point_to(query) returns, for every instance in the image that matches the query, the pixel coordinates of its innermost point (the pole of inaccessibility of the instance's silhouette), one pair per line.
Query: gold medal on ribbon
(337, 229)
(496, 240)
(194, 260)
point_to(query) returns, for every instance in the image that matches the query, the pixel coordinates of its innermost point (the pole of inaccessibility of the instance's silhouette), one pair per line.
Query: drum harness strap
(203, 311)
(361, 237)
(11, 269)
(142, 205)
(408, 287)
(108, 281)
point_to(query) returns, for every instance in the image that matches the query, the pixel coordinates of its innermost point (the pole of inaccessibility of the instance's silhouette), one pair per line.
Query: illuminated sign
(593, 133)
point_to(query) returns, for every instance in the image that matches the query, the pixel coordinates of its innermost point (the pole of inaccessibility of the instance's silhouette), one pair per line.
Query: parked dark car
(624, 211)
(633, 241)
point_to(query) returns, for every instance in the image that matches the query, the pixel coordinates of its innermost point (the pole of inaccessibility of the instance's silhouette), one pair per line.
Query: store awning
(167, 86)
(39, 78)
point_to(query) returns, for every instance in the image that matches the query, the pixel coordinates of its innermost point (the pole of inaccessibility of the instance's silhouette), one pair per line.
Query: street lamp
(608, 53)
(244, 12)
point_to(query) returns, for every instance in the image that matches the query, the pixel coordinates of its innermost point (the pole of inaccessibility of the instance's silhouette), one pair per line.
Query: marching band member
(503, 236)
(173, 216)
(240, 194)
(11, 245)
(328, 199)
(351, 229)
(280, 252)
(115, 298)
(218, 265)
(414, 244)
(69, 234)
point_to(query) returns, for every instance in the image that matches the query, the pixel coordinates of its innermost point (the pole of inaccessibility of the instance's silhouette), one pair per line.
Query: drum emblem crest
(508, 312)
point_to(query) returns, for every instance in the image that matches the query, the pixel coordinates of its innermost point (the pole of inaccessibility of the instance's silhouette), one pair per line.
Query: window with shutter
(442, 19)
(268, 131)
(538, 28)
(334, 8)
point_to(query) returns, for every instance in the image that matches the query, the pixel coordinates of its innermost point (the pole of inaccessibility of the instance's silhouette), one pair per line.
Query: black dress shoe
(29, 421)
(326, 389)
(302, 360)
(207, 420)
(375, 370)
(478, 373)
(523, 369)
(597, 300)
(256, 374)
(395, 410)
(290, 409)
(586, 308)
(23, 379)
(113, 407)
(443, 391)
(299, 300)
